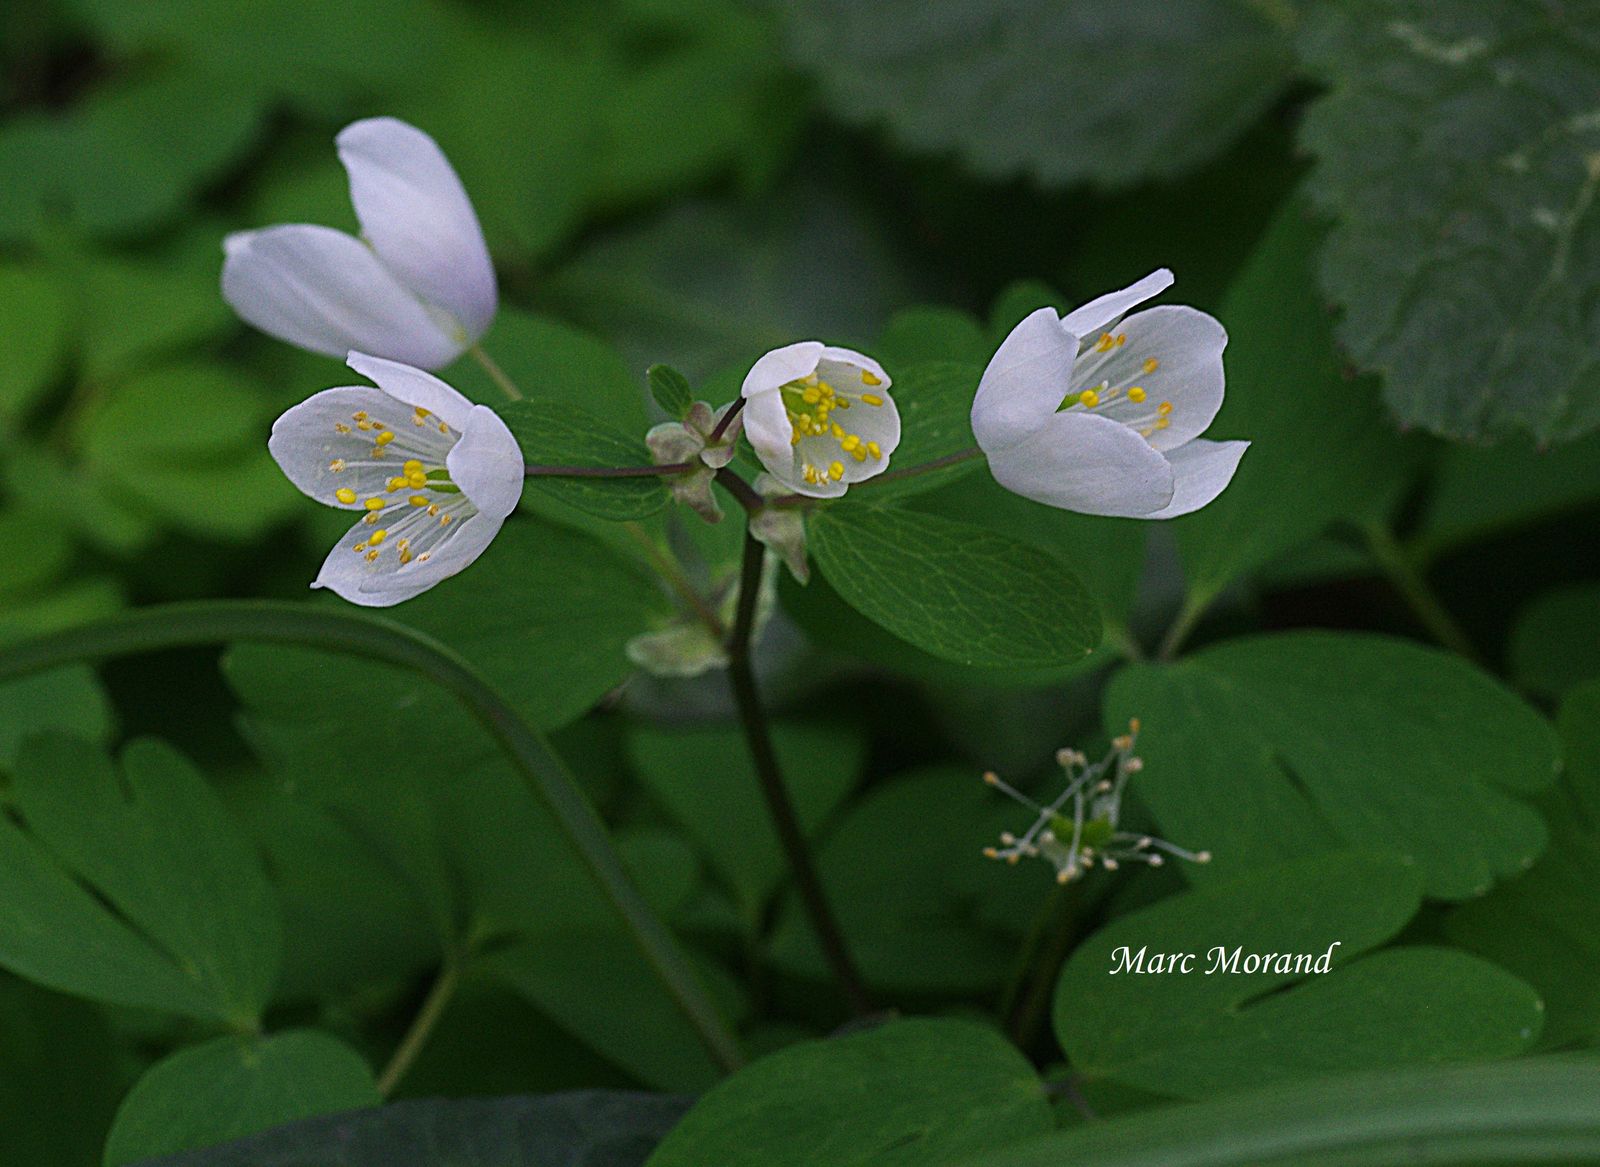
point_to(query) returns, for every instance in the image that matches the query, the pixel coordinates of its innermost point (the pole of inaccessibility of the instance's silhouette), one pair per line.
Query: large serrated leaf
(1459, 149)
(1063, 90)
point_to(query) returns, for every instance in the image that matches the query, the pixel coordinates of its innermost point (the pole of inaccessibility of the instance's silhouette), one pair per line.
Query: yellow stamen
(870, 378)
(811, 396)
(384, 438)
(1163, 409)
(1088, 399)
(1151, 364)
(378, 536)
(336, 465)
(1106, 343)
(345, 495)
(372, 555)
(418, 500)
(849, 441)
(341, 427)
(872, 399)
(375, 504)
(412, 467)
(395, 484)
(824, 388)
(364, 425)
(874, 449)
(836, 471)
(838, 431)
(417, 478)
(1136, 394)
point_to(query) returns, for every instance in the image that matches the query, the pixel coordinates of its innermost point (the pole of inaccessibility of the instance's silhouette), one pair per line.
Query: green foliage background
(1369, 674)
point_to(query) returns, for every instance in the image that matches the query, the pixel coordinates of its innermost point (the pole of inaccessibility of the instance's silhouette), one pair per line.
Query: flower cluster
(1096, 411)
(1074, 841)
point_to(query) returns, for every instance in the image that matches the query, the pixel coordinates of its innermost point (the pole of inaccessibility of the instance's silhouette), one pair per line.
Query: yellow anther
(870, 378)
(443, 429)
(811, 396)
(378, 536)
(359, 415)
(374, 504)
(395, 484)
(1088, 399)
(418, 500)
(372, 555)
(433, 508)
(405, 557)
(794, 438)
(836, 471)
(825, 389)
(849, 441)
(370, 518)
(874, 449)
(425, 556)
(360, 547)
(420, 417)
(872, 399)
(1150, 364)
(1122, 339)
(1136, 394)
(1163, 423)
(446, 520)
(859, 454)
(336, 465)
(412, 467)
(364, 425)
(417, 478)
(841, 403)
(810, 474)
(341, 427)
(345, 495)
(1163, 409)
(838, 431)
(384, 438)
(809, 379)
(1106, 343)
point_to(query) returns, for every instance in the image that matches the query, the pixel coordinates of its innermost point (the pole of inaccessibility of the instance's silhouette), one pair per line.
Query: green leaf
(671, 391)
(1272, 746)
(915, 335)
(721, 806)
(907, 1094)
(35, 322)
(158, 846)
(66, 699)
(1549, 652)
(570, 436)
(935, 403)
(605, 1128)
(62, 1079)
(132, 313)
(1049, 89)
(957, 590)
(1530, 1110)
(1464, 207)
(926, 914)
(1545, 927)
(55, 167)
(1321, 448)
(236, 1086)
(1207, 1029)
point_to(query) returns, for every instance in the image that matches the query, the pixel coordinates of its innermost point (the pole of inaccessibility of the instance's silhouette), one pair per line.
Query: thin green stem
(1051, 947)
(1194, 607)
(531, 471)
(668, 568)
(1412, 586)
(496, 373)
(422, 1025)
(225, 621)
(758, 736)
(925, 468)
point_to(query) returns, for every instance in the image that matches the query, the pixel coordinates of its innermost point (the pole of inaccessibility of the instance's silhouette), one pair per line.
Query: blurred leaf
(1550, 652)
(1205, 1030)
(907, 1094)
(594, 1128)
(35, 326)
(153, 841)
(1481, 493)
(134, 312)
(957, 590)
(1274, 746)
(45, 485)
(1321, 448)
(707, 783)
(671, 390)
(49, 551)
(921, 334)
(1048, 89)
(571, 436)
(1457, 151)
(1529, 1110)
(704, 286)
(61, 1081)
(128, 158)
(236, 1086)
(68, 699)
(64, 605)
(904, 871)
(1545, 927)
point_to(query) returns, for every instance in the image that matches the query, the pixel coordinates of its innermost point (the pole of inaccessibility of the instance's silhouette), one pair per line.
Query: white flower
(1099, 414)
(433, 476)
(820, 417)
(418, 285)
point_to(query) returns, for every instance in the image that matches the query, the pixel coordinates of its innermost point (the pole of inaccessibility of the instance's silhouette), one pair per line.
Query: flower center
(1124, 400)
(811, 404)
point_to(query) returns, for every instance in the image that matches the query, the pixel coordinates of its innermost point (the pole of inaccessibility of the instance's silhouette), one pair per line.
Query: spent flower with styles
(431, 475)
(1081, 826)
(417, 286)
(820, 417)
(1101, 413)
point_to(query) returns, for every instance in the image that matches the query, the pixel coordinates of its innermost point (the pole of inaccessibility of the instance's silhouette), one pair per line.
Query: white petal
(439, 552)
(780, 366)
(849, 356)
(467, 540)
(325, 291)
(415, 388)
(1201, 470)
(309, 444)
(416, 214)
(1187, 345)
(1024, 382)
(1088, 464)
(766, 424)
(1096, 314)
(487, 463)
